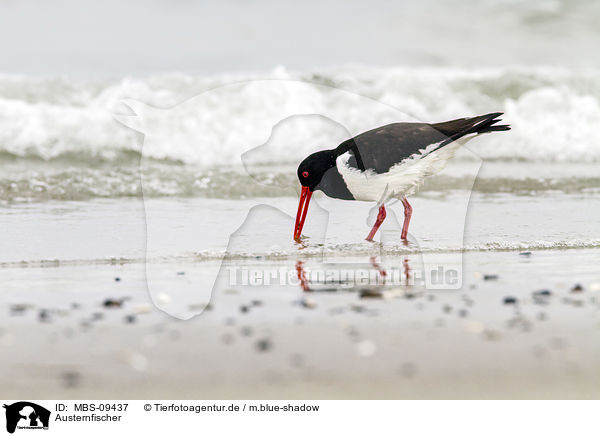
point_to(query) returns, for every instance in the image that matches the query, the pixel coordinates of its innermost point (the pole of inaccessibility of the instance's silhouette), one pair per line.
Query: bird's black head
(312, 169)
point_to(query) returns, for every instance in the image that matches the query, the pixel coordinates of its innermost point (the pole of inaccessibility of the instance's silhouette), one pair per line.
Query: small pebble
(163, 298)
(491, 335)
(488, 277)
(97, 316)
(371, 293)
(509, 300)
(447, 308)
(577, 288)
(70, 379)
(256, 303)
(366, 348)
(308, 303)
(263, 345)
(244, 309)
(525, 253)
(463, 313)
(44, 316)
(117, 279)
(543, 293)
(19, 309)
(130, 319)
(246, 331)
(111, 303)
(180, 273)
(358, 308)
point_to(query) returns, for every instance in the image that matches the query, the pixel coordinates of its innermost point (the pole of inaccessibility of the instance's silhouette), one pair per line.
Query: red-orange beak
(301, 214)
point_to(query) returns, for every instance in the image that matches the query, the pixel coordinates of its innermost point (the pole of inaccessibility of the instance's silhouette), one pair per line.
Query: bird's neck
(332, 184)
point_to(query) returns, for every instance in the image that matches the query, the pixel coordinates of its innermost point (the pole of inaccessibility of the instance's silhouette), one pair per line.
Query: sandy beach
(281, 342)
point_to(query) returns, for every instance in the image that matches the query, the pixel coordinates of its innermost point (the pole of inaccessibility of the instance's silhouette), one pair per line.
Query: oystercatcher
(387, 162)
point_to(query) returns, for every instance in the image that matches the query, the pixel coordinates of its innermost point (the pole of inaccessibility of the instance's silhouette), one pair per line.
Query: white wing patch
(402, 179)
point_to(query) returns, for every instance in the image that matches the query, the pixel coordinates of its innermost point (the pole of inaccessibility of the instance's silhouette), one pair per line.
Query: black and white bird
(389, 162)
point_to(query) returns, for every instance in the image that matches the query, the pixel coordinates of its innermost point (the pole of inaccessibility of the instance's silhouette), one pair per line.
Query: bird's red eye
(305, 174)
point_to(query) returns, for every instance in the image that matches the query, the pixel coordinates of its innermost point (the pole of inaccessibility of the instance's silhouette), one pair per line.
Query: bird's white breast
(402, 179)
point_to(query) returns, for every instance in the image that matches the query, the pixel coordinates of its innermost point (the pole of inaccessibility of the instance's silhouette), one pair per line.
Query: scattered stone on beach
(117, 279)
(308, 303)
(336, 310)
(371, 293)
(199, 307)
(97, 316)
(19, 309)
(525, 253)
(246, 331)
(44, 316)
(130, 319)
(575, 302)
(358, 308)
(447, 308)
(180, 273)
(353, 333)
(407, 369)
(229, 320)
(475, 327)
(263, 345)
(463, 313)
(75, 306)
(163, 298)
(366, 348)
(70, 379)
(85, 325)
(491, 335)
(519, 322)
(577, 288)
(489, 277)
(256, 303)
(113, 303)
(542, 296)
(510, 300)
(142, 308)
(244, 308)
(431, 297)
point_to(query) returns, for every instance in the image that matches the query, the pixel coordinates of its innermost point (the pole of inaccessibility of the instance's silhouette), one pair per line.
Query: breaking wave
(554, 112)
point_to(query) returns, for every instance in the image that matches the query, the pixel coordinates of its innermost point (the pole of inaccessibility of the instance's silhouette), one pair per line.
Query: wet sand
(79, 332)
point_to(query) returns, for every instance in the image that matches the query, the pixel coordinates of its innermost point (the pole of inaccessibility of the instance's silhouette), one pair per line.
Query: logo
(26, 415)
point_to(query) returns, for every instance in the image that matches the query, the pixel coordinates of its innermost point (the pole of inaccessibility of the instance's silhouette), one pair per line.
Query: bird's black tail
(455, 129)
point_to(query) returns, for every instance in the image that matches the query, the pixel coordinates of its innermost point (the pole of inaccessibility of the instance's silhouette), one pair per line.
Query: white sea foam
(554, 113)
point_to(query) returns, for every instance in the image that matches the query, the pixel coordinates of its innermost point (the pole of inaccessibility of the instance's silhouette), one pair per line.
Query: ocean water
(201, 151)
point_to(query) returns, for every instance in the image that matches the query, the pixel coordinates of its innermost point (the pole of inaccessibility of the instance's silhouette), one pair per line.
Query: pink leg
(380, 218)
(407, 215)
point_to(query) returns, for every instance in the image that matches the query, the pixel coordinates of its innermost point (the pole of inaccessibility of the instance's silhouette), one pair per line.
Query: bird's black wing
(382, 148)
